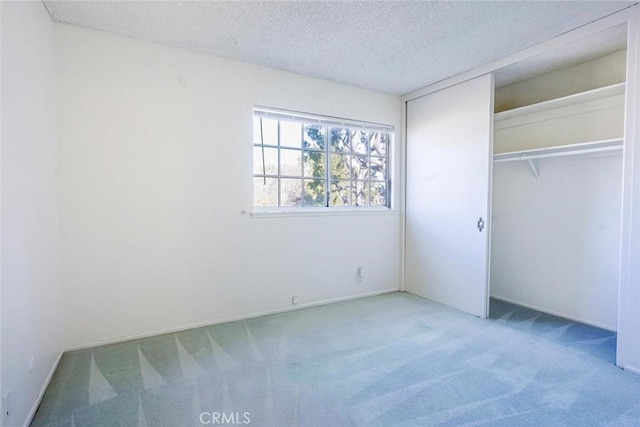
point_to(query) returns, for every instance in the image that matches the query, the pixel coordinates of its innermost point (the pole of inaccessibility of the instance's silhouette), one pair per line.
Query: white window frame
(327, 122)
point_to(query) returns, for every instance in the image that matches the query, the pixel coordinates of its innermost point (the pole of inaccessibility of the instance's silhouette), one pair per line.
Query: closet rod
(525, 156)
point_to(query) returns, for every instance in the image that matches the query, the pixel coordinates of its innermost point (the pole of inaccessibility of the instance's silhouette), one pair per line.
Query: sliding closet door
(449, 148)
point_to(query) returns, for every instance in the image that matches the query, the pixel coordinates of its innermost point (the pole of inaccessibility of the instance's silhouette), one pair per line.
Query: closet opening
(557, 188)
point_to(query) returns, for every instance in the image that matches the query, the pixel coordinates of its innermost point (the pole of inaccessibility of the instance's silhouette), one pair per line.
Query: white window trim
(274, 212)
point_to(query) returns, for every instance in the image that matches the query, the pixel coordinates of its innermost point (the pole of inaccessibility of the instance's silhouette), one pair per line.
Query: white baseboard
(631, 369)
(34, 408)
(226, 320)
(554, 313)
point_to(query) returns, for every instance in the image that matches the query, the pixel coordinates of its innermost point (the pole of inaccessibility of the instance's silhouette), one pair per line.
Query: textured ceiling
(388, 46)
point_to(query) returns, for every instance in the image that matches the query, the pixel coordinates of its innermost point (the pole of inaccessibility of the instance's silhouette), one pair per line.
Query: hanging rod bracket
(532, 166)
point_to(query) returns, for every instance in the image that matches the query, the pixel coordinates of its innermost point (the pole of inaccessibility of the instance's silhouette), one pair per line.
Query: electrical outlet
(360, 273)
(31, 361)
(294, 299)
(6, 406)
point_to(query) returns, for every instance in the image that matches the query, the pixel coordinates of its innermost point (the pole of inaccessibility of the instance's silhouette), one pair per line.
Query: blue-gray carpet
(390, 360)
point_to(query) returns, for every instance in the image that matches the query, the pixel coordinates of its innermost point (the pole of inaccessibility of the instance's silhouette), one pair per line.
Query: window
(310, 161)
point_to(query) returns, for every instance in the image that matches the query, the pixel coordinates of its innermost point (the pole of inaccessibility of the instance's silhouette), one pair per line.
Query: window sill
(306, 212)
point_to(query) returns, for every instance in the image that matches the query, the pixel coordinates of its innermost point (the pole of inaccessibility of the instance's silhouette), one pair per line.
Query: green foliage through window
(302, 161)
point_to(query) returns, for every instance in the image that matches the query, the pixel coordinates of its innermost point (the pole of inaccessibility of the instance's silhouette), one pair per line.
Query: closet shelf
(578, 98)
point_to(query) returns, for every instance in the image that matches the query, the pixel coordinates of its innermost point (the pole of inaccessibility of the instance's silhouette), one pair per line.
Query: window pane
(340, 166)
(270, 161)
(379, 194)
(313, 137)
(290, 134)
(290, 192)
(318, 163)
(269, 131)
(340, 193)
(290, 162)
(314, 164)
(340, 140)
(378, 143)
(378, 168)
(314, 192)
(359, 167)
(360, 141)
(265, 192)
(360, 193)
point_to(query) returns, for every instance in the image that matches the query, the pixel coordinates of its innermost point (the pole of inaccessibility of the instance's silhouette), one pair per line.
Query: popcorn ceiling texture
(388, 46)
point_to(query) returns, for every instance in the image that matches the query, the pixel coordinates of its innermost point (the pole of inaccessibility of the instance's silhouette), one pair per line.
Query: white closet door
(449, 150)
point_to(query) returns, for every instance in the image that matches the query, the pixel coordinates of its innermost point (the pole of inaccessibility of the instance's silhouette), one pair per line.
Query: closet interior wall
(556, 236)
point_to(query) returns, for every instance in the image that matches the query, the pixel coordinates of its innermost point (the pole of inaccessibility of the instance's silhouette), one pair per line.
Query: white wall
(555, 241)
(31, 308)
(156, 163)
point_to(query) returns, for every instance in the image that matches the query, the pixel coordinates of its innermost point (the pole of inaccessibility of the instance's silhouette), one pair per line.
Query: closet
(514, 184)
(557, 190)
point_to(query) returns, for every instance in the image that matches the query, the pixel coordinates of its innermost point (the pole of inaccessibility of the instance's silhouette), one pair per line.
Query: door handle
(480, 224)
